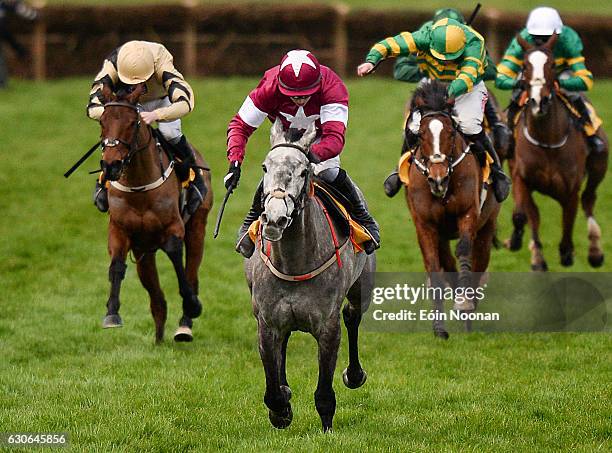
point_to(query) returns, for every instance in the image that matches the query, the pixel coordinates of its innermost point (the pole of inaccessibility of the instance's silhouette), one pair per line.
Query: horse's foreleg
(538, 263)
(519, 217)
(194, 247)
(192, 307)
(566, 246)
(276, 397)
(118, 246)
(429, 242)
(463, 252)
(325, 397)
(353, 376)
(596, 167)
(147, 272)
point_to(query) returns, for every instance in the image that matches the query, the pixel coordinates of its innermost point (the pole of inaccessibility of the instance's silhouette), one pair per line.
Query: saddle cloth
(336, 210)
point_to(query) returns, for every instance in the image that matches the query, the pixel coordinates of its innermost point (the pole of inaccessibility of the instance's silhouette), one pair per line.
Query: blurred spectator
(23, 10)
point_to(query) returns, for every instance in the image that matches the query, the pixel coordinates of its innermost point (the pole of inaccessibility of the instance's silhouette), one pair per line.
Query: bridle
(423, 163)
(281, 194)
(132, 145)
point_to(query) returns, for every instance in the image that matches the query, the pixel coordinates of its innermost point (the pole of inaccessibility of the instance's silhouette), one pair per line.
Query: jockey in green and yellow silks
(572, 73)
(455, 53)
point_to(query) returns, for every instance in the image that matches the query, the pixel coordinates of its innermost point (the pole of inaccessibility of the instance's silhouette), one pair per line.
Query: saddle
(330, 200)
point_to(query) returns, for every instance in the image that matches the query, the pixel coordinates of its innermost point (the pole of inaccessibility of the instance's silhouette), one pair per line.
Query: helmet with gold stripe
(447, 40)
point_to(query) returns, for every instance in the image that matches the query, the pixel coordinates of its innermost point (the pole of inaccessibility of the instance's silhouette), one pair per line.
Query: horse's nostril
(282, 222)
(264, 218)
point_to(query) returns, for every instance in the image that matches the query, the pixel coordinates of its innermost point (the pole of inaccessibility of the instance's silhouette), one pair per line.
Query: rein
(531, 139)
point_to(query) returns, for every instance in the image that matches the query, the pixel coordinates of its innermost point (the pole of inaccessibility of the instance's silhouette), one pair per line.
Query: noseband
(132, 145)
(282, 194)
(437, 157)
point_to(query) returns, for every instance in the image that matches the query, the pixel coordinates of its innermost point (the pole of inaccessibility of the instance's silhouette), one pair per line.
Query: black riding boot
(196, 190)
(100, 197)
(596, 144)
(501, 133)
(392, 183)
(480, 146)
(245, 245)
(358, 209)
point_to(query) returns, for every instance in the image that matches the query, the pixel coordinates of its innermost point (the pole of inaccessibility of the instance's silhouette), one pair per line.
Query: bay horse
(301, 280)
(446, 198)
(551, 157)
(145, 216)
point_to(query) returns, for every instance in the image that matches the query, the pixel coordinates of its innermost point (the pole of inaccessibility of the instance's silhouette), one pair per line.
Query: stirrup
(392, 184)
(245, 246)
(100, 198)
(194, 199)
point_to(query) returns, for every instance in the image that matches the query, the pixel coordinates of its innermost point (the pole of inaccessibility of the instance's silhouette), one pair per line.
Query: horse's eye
(263, 166)
(304, 173)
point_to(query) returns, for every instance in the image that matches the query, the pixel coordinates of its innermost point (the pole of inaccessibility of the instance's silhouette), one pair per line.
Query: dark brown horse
(145, 214)
(551, 157)
(446, 199)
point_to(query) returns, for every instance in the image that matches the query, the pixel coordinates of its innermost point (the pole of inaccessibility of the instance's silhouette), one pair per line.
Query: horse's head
(287, 176)
(120, 128)
(431, 120)
(539, 74)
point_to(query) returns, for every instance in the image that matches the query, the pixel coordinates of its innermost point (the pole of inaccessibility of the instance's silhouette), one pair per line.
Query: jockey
(299, 92)
(409, 69)
(168, 97)
(455, 52)
(573, 75)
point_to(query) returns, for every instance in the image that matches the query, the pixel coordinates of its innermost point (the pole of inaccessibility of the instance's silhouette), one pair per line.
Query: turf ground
(115, 390)
(584, 7)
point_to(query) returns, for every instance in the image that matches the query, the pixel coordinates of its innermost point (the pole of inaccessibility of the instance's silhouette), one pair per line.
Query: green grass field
(116, 391)
(584, 7)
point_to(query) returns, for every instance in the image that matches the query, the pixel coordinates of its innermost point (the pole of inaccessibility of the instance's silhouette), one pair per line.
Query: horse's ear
(133, 97)
(551, 42)
(309, 136)
(277, 133)
(107, 94)
(523, 43)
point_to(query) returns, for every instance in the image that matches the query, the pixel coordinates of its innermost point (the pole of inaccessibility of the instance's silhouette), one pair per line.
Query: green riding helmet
(448, 13)
(447, 39)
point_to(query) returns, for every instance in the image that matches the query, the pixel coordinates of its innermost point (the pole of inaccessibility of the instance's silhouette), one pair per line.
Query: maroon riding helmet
(299, 74)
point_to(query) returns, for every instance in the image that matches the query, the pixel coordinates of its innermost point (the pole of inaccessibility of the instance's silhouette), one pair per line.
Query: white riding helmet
(135, 62)
(544, 21)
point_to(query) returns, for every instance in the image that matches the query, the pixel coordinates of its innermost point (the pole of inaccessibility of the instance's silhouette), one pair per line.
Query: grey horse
(300, 242)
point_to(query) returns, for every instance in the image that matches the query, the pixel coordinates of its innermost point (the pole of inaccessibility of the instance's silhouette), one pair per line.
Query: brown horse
(551, 157)
(145, 215)
(446, 199)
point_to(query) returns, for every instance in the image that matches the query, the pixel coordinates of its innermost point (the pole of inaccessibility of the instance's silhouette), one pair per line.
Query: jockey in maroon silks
(299, 92)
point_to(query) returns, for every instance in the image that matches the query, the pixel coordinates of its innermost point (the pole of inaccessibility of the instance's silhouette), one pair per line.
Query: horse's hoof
(441, 334)
(541, 267)
(183, 334)
(281, 420)
(468, 305)
(111, 321)
(285, 390)
(567, 259)
(354, 384)
(596, 260)
(194, 308)
(513, 244)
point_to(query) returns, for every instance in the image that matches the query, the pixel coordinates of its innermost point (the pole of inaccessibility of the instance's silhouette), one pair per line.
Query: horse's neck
(549, 128)
(305, 244)
(144, 168)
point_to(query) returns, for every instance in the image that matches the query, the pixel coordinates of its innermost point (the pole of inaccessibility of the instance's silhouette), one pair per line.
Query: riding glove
(233, 175)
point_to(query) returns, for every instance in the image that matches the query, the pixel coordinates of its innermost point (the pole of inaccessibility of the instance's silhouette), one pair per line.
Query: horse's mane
(432, 95)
